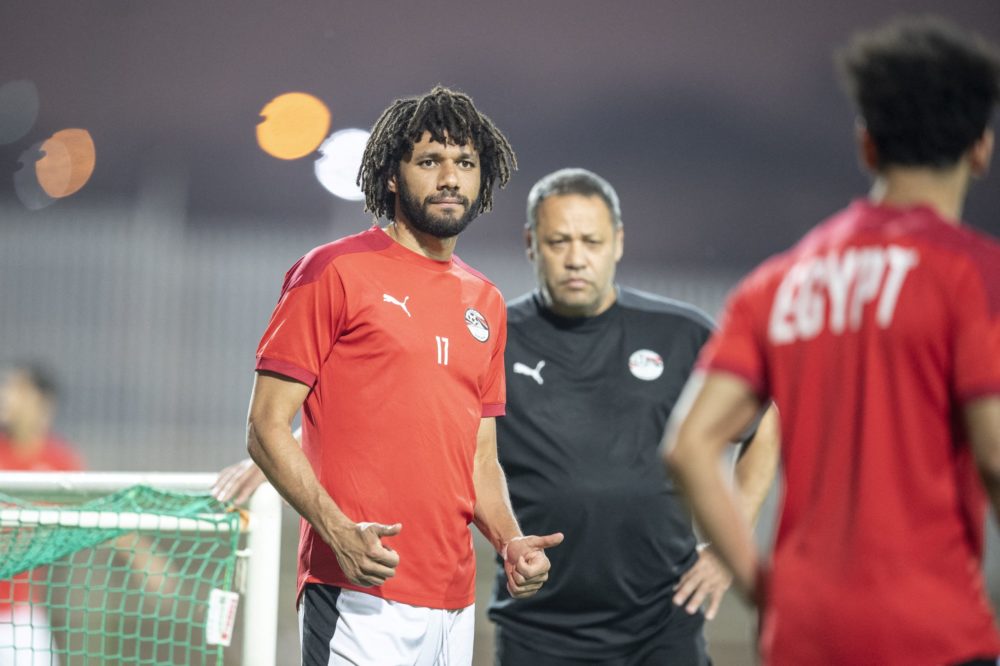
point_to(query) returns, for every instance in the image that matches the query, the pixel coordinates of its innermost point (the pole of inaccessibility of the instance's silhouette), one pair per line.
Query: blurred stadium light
(293, 125)
(339, 161)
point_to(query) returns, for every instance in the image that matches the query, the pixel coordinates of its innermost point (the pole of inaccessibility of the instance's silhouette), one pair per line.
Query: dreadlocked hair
(450, 117)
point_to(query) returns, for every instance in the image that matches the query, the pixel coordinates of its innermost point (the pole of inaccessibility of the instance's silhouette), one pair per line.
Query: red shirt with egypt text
(871, 335)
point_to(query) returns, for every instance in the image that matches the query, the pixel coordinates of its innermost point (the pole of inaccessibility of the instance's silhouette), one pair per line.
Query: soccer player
(594, 371)
(393, 349)
(878, 337)
(28, 396)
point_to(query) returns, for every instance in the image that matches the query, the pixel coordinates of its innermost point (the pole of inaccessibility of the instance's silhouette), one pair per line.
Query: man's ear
(981, 154)
(867, 151)
(391, 184)
(529, 244)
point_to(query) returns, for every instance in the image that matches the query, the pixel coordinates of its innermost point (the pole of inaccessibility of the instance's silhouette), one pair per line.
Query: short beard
(418, 213)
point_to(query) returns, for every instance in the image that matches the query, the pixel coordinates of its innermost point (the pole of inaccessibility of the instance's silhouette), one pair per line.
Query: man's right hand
(362, 556)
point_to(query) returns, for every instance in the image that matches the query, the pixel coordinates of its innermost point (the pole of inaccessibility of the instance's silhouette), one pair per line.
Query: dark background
(720, 123)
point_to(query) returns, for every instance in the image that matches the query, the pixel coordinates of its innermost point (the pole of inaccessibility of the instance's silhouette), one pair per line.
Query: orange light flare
(68, 162)
(293, 125)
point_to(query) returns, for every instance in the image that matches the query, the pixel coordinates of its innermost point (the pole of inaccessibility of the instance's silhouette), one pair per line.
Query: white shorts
(340, 627)
(25, 637)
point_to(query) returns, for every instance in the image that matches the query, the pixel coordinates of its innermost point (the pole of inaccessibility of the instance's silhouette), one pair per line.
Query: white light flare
(339, 162)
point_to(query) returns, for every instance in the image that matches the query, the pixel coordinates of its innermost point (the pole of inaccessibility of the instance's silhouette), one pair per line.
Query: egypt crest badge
(645, 364)
(477, 325)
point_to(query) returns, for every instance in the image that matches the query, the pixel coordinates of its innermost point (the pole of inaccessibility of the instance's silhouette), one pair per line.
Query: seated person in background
(28, 396)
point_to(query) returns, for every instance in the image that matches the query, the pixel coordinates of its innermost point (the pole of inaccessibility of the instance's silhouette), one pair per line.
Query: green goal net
(138, 576)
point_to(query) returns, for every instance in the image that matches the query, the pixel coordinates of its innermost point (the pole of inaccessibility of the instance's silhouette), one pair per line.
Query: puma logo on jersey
(535, 372)
(386, 298)
(831, 291)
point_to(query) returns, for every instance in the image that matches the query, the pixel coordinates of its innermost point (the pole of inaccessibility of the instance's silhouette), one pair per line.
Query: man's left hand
(707, 579)
(526, 564)
(238, 482)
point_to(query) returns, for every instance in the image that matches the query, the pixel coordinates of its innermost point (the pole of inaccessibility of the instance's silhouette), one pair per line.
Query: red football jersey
(404, 355)
(55, 455)
(870, 335)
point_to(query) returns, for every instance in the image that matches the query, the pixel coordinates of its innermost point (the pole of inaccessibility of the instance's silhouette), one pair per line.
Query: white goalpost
(40, 511)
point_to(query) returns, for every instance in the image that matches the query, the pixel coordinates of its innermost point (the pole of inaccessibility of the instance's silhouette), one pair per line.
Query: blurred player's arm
(358, 547)
(757, 464)
(982, 418)
(149, 570)
(711, 414)
(237, 482)
(524, 557)
(707, 580)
